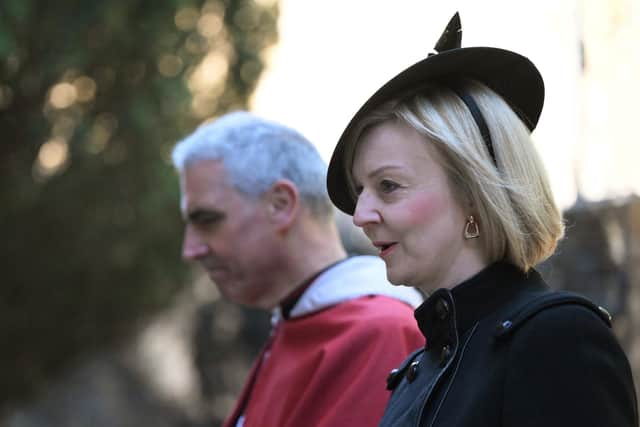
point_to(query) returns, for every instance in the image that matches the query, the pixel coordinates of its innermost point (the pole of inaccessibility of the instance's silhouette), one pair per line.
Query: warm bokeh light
(102, 130)
(213, 6)
(85, 88)
(52, 156)
(98, 139)
(186, 18)
(204, 104)
(266, 3)
(170, 65)
(63, 95)
(210, 74)
(210, 24)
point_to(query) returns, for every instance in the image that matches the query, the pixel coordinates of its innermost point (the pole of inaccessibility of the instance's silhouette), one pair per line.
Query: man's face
(228, 233)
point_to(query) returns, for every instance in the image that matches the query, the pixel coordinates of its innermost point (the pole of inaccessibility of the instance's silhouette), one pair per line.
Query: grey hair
(256, 153)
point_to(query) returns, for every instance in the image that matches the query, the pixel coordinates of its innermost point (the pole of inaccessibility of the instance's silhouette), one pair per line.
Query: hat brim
(512, 76)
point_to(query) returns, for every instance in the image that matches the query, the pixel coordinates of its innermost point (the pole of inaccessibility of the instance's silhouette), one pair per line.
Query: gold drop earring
(471, 229)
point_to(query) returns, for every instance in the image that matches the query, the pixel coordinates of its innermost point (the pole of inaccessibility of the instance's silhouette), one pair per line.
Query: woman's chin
(396, 279)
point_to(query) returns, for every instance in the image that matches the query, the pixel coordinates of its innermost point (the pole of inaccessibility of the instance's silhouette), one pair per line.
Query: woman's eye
(388, 186)
(358, 189)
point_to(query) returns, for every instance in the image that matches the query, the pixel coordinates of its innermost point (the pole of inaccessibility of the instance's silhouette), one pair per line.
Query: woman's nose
(365, 212)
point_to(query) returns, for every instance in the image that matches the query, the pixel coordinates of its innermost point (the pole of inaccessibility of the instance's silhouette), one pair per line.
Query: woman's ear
(283, 202)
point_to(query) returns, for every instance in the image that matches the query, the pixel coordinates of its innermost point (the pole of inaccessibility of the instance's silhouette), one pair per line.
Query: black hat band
(478, 118)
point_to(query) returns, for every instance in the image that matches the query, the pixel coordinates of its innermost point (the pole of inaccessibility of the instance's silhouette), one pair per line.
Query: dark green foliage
(91, 244)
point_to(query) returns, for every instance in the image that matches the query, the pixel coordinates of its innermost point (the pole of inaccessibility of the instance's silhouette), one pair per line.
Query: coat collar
(453, 312)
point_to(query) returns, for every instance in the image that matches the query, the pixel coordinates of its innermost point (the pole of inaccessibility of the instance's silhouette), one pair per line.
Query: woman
(438, 169)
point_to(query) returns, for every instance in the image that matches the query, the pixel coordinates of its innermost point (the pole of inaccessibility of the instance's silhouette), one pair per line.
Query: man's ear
(283, 202)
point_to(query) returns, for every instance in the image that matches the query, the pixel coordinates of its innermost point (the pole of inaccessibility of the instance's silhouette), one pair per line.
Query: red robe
(328, 368)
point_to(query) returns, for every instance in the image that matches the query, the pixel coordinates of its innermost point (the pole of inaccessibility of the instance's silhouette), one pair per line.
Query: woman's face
(408, 210)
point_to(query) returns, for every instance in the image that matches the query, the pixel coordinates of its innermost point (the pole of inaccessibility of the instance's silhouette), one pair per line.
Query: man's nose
(365, 212)
(193, 247)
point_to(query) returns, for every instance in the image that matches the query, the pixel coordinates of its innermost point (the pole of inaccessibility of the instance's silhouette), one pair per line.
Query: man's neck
(307, 254)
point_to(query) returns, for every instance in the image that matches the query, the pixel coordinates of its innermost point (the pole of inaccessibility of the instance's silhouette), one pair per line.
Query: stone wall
(600, 258)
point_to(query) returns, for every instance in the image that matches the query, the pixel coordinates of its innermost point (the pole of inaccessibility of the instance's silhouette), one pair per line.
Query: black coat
(505, 351)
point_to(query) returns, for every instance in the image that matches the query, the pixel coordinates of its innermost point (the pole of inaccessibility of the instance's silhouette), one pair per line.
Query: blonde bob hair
(511, 197)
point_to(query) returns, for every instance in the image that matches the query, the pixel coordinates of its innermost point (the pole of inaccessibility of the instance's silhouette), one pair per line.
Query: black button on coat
(503, 350)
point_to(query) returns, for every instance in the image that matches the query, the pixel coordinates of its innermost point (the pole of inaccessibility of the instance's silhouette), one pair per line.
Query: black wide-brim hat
(512, 76)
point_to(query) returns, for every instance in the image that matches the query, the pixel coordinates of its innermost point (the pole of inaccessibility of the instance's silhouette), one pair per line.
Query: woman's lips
(385, 248)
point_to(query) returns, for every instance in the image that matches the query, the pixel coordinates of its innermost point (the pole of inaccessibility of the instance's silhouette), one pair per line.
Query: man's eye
(388, 186)
(207, 220)
(204, 219)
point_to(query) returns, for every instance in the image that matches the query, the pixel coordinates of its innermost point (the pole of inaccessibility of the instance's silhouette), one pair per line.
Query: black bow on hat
(510, 75)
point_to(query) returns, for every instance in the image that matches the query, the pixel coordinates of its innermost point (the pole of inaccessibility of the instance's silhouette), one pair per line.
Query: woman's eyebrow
(381, 169)
(375, 172)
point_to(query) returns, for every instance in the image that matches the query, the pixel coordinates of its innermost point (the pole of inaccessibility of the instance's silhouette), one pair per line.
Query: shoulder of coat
(510, 323)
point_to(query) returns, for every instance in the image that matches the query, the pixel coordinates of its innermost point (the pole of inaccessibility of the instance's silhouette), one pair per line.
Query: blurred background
(101, 324)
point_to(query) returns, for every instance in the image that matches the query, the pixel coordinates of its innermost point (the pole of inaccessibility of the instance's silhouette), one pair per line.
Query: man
(258, 219)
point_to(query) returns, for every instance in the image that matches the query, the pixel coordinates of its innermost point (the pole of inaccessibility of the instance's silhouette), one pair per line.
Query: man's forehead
(202, 175)
(205, 187)
(203, 170)
(204, 183)
(209, 202)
